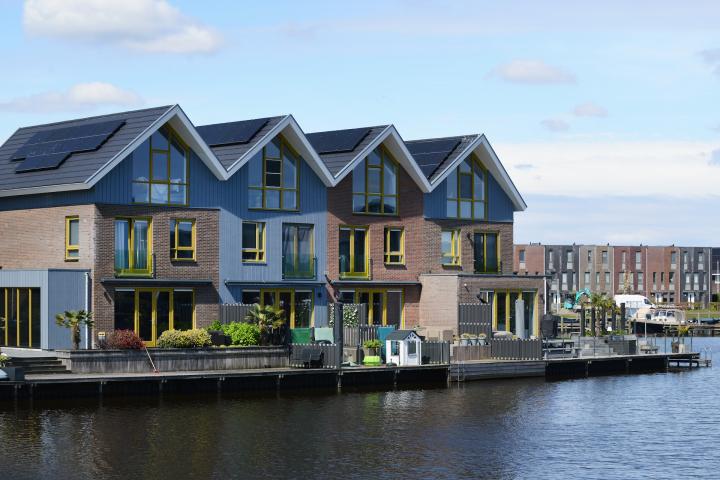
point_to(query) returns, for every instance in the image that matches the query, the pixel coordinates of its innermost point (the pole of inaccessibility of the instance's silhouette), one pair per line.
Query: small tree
(266, 317)
(73, 320)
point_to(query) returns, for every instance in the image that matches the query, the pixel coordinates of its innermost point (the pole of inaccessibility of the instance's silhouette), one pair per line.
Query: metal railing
(310, 273)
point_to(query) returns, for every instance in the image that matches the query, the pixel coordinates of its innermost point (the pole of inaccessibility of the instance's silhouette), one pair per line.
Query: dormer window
(375, 184)
(273, 177)
(160, 170)
(467, 191)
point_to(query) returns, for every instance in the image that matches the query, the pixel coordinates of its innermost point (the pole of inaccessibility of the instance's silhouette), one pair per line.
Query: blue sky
(604, 113)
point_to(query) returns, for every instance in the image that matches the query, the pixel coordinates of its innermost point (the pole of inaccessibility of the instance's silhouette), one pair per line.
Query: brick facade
(534, 259)
(35, 238)
(205, 267)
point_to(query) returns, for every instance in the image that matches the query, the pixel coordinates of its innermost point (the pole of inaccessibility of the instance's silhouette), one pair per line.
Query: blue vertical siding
(500, 206)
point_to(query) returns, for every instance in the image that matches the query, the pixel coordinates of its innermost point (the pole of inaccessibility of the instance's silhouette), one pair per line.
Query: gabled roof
(82, 170)
(234, 154)
(400, 334)
(341, 161)
(438, 157)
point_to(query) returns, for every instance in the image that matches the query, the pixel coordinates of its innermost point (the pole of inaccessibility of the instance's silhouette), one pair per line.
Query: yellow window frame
(474, 163)
(352, 273)
(72, 251)
(385, 156)
(485, 250)
(384, 292)
(389, 254)
(131, 270)
(259, 251)
(171, 135)
(5, 318)
(534, 322)
(175, 248)
(275, 292)
(296, 273)
(455, 248)
(264, 188)
(153, 318)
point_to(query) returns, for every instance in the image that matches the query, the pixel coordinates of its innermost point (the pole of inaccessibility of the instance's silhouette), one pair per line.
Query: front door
(153, 312)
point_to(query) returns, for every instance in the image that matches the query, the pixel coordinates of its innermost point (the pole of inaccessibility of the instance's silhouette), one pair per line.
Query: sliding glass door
(20, 317)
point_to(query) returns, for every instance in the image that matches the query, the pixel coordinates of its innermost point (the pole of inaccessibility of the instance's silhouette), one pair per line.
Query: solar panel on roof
(231, 133)
(337, 141)
(78, 138)
(440, 145)
(42, 162)
(47, 149)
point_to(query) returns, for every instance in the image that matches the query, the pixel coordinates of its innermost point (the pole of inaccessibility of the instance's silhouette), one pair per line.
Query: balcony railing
(309, 272)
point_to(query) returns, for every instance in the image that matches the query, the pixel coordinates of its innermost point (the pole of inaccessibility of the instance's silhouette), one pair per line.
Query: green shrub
(184, 339)
(372, 344)
(243, 334)
(216, 325)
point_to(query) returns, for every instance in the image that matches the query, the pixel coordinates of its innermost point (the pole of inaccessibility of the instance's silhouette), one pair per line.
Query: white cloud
(555, 124)
(532, 72)
(589, 109)
(79, 97)
(671, 169)
(143, 25)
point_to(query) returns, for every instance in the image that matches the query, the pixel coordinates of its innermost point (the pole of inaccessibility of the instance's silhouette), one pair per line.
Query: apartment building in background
(664, 274)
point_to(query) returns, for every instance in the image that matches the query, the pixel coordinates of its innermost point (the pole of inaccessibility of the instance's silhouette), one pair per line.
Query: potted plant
(74, 320)
(268, 318)
(465, 339)
(14, 374)
(371, 348)
(482, 339)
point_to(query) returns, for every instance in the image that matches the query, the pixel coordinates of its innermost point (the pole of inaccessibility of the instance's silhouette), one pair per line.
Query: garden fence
(435, 353)
(475, 319)
(314, 355)
(234, 312)
(516, 349)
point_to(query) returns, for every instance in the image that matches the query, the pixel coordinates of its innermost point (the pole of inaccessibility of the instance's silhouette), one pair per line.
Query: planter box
(173, 359)
(14, 374)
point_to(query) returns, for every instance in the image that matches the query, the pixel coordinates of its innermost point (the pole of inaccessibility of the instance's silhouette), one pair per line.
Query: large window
(273, 177)
(354, 260)
(160, 170)
(450, 247)
(375, 184)
(133, 246)
(487, 252)
(296, 305)
(466, 190)
(394, 246)
(151, 311)
(182, 239)
(298, 251)
(253, 242)
(72, 238)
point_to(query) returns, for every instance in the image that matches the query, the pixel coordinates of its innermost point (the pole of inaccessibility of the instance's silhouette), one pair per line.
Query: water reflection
(605, 427)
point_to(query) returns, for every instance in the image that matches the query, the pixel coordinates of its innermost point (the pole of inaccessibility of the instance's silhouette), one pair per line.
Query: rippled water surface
(634, 426)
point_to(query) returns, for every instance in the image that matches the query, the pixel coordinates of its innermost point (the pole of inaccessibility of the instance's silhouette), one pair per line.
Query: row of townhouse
(151, 223)
(669, 274)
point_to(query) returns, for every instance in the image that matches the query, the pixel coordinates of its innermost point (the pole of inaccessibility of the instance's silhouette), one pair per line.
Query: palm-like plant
(74, 320)
(266, 317)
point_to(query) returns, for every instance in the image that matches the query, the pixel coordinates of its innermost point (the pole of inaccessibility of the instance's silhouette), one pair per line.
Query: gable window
(394, 246)
(182, 239)
(273, 179)
(375, 184)
(450, 247)
(486, 252)
(298, 251)
(466, 191)
(253, 242)
(133, 246)
(160, 170)
(354, 259)
(72, 238)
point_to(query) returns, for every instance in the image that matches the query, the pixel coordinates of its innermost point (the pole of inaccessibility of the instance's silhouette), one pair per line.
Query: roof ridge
(95, 117)
(353, 128)
(243, 120)
(444, 138)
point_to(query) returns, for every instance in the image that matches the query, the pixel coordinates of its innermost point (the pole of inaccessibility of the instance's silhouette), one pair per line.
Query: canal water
(617, 427)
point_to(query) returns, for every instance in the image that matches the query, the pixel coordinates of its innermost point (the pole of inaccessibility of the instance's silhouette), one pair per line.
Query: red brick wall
(205, 267)
(35, 238)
